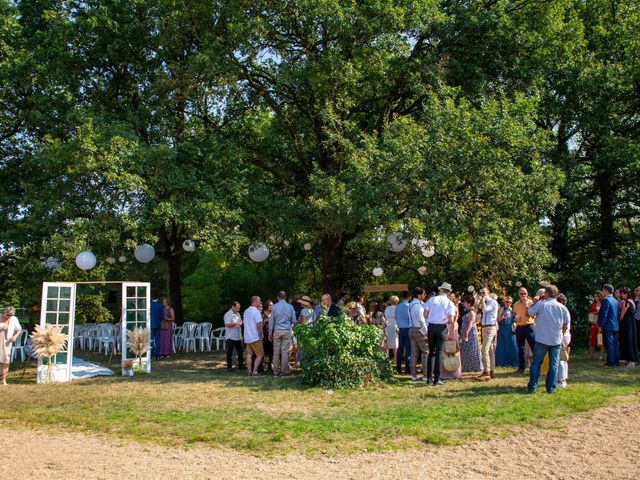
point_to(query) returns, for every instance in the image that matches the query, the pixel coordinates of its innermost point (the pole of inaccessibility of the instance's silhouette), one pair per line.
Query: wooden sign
(395, 287)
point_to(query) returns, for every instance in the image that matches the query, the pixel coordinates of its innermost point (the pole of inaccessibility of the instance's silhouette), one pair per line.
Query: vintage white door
(136, 313)
(58, 308)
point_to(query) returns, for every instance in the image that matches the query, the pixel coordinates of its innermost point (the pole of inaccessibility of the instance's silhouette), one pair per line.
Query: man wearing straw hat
(440, 311)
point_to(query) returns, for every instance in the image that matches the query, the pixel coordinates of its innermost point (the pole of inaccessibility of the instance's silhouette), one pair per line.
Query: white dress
(390, 330)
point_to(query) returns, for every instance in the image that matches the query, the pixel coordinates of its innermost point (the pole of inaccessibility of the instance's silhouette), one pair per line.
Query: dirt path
(602, 444)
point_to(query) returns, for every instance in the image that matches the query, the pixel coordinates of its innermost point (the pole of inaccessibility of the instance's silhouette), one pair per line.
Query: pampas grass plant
(47, 342)
(138, 342)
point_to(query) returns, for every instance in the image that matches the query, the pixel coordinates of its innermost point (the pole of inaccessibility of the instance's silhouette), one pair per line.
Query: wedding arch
(58, 308)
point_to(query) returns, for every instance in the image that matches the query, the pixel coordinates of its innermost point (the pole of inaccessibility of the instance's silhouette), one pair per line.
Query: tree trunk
(174, 285)
(332, 264)
(607, 237)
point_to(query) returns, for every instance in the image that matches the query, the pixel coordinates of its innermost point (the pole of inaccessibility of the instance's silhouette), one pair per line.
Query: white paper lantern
(122, 259)
(428, 250)
(518, 284)
(422, 270)
(419, 242)
(307, 246)
(377, 272)
(52, 263)
(144, 253)
(286, 243)
(111, 260)
(470, 288)
(396, 242)
(189, 245)
(86, 261)
(258, 252)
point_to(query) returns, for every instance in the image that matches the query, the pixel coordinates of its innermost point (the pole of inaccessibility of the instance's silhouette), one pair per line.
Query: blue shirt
(157, 314)
(402, 314)
(608, 316)
(550, 315)
(283, 317)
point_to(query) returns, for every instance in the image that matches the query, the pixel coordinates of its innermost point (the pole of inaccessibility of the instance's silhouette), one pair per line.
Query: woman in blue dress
(469, 348)
(507, 349)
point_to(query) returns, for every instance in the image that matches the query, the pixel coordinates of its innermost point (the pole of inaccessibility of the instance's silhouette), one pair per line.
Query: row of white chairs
(191, 337)
(103, 337)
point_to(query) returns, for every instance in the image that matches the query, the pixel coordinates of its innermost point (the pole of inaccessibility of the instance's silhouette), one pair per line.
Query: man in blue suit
(157, 315)
(608, 323)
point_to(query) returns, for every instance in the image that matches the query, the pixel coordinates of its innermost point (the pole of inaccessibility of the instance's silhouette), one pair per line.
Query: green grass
(191, 400)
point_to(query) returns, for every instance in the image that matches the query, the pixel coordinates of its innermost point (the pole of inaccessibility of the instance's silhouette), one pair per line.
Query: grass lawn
(191, 399)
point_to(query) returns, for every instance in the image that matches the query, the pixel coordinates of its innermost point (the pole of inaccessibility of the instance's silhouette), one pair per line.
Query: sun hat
(305, 301)
(445, 286)
(451, 363)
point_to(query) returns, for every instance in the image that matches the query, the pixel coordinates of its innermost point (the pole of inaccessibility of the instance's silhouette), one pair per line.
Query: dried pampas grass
(47, 342)
(138, 342)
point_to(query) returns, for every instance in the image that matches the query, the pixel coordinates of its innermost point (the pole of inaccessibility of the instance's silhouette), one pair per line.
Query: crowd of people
(445, 333)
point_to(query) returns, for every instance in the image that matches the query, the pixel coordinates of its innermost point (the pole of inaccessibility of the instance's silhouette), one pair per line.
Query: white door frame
(127, 319)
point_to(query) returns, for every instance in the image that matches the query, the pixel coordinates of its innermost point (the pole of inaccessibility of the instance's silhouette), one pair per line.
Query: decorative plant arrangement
(47, 342)
(138, 343)
(127, 366)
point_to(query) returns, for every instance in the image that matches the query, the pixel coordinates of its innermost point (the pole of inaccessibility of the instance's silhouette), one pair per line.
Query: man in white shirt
(233, 335)
(440, 312)
(489, 324)
(253, 335)
(552, 321)
(418, 332)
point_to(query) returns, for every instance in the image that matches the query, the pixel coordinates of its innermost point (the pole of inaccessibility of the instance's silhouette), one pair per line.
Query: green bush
(90, 309)
(337, 353)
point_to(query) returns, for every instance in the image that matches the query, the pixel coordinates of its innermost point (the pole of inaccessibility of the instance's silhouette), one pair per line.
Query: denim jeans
(404, 350)
(612, 347)
(539, 351)
(437, 335)
(524, 334)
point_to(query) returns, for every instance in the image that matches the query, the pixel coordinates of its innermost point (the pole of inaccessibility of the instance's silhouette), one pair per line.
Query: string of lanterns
(86, 260)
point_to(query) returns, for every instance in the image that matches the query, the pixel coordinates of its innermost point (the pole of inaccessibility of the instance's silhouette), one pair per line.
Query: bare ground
(602, 444)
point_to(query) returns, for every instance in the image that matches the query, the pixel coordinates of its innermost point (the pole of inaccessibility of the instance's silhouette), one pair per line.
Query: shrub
(337, 353)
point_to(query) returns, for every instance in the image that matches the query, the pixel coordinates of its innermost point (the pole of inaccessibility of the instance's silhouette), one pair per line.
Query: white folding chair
(219, 336)
(106, 337)
(189, 336)
(174, 336)
(21, 341)
(203, 333)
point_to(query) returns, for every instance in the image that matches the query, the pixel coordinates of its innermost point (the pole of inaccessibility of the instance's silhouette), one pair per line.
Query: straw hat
(451, 363)
(305, 301)
(445, 286)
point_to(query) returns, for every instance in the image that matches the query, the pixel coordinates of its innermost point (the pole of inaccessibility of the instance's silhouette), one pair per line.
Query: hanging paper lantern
(307, 246)
(52, 263)
(419, 242)
(86, 261)
(111, 260)
(422, 270)
(377, 272)
(122, 259)
(428, 250)
(518, 284)
(144, 253)
(470, 288)
(286, 243)
(258, 252)
(396, 242)
(189, 245)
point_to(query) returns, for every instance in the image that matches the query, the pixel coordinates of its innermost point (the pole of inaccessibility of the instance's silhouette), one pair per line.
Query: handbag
(451, 347)
(593, 319)
(451, 363)
(564, 354)
(164, 325)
